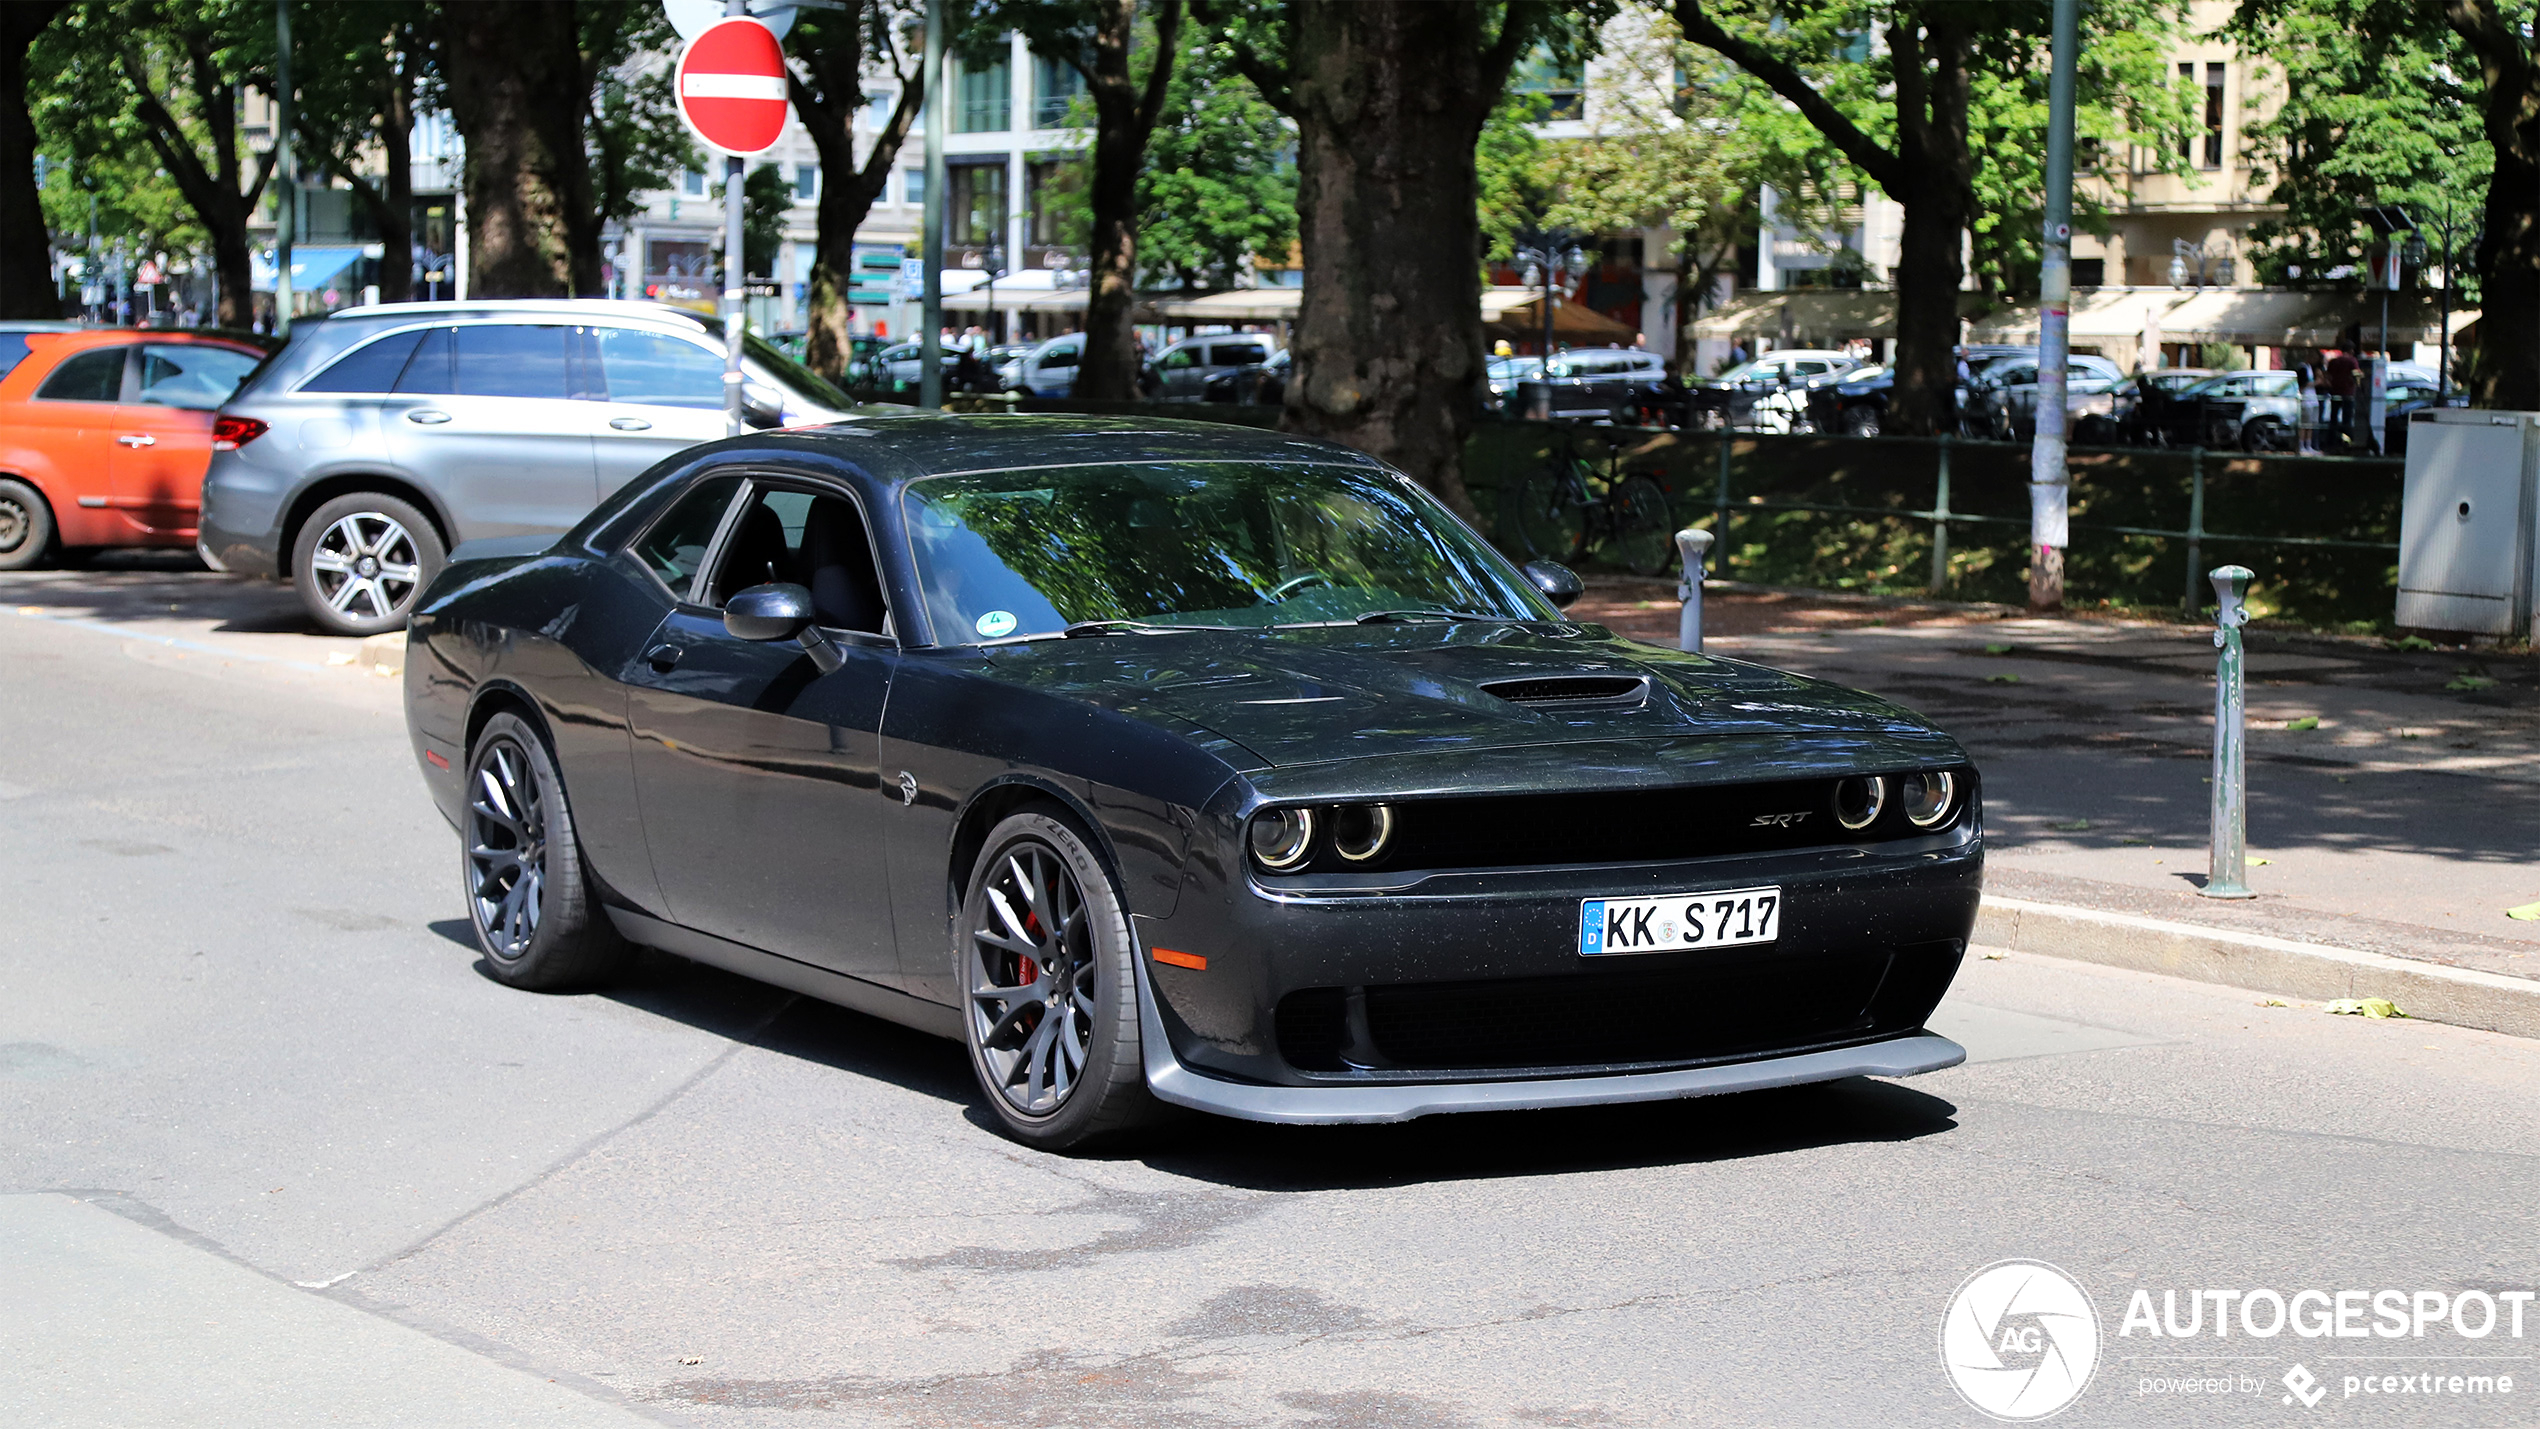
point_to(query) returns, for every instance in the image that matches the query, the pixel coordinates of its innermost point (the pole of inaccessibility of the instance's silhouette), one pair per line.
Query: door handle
(427, 416)
(663, 657)
(630, 424)
(138, 441)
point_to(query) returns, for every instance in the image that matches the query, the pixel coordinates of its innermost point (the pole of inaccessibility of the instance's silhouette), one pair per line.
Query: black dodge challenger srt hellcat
(1171, 763)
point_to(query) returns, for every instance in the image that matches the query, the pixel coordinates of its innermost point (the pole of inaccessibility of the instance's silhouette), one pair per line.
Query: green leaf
(2412, 642)
(2071, 826)
(2472, 682)
(2527, 913)
(1997, 649)
(2001, 679)
(2305, 722)
(2365, 1007)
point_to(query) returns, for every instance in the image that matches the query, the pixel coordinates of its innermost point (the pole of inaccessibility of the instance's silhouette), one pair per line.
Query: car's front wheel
(537, 917)
(1861, 421)
(26, 526)
(1048, 975)
(361, 561)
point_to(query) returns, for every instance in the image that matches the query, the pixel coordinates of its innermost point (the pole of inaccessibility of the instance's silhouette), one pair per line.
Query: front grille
(1571, 689)
(1702, 1007)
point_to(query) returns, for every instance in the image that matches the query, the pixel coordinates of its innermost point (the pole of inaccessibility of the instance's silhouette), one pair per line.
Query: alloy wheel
(1032, 980)
(366, 558)
(506, 848)
(15, 524)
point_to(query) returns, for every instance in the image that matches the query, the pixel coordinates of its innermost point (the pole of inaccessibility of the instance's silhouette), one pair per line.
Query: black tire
(1861, 422)
(2263, 434)
(1540, 521)
(1049, 982)
(26, 526)
(537, 916)
(362, 560)
(1644, 540)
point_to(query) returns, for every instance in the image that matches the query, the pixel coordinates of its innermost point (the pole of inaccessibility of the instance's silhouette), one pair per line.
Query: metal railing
(1942, 517)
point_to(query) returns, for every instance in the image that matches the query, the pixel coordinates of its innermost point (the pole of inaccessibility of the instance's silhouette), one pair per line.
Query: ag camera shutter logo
(2019, 1340)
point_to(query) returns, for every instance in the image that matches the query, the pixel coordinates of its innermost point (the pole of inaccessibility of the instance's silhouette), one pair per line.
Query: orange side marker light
(435, 760)
(1193, 961)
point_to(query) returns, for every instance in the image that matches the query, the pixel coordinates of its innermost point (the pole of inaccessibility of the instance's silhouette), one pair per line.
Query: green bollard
(2227, 875)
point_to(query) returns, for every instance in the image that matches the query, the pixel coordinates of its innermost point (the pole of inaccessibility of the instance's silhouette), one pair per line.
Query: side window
(1058, 357)
(512, 360)
(190, 375)
(676, 545)
(1179, 359)
(92, 376)
(1811, 369)
(1237, 354)
(372, 367)
(816, 541)
(429, 370)
(2273, 386)
(660, 370)
(765, 546)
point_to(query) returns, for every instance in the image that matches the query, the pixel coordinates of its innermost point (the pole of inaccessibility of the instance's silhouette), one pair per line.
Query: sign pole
(930, 320)
(286, 187)
(734, 314)
(2050, 478)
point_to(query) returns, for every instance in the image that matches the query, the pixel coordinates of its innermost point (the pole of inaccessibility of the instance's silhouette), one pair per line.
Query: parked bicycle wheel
(1644, 540)
(1544, 516)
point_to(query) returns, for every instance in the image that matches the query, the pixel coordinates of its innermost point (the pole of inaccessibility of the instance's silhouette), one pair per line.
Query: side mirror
(769, 613)
(758, 411)
(1558, 583)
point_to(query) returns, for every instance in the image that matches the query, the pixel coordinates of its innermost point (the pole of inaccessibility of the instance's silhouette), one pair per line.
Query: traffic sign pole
(930, 322)
(731, 88)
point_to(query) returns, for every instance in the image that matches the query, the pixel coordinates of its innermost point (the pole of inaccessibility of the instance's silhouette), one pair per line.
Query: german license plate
(1729, 918)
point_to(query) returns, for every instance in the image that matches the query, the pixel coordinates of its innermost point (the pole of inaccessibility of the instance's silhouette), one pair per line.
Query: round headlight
(1858, 802)
(1927, 798)
(1360, 831)
(1283, 839)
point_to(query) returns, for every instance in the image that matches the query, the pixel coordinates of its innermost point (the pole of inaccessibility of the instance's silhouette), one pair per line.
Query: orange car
(104, 437)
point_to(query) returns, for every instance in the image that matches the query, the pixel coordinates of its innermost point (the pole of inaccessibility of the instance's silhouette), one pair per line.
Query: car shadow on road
(1501, 1145)
(116, 587)
(739, 1009)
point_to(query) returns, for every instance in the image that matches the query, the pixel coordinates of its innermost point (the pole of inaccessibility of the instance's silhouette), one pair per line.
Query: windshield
(1014, 554)
(1514, 369)
(796, 379)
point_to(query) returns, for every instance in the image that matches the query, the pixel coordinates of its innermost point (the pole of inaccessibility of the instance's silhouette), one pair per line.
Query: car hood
(1312, 696)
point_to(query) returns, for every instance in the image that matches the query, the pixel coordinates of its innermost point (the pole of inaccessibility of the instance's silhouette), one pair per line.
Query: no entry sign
(731, 86)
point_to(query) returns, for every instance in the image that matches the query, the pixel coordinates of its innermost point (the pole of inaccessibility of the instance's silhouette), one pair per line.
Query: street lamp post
(996, 269)
(1552, 254)
(285, 181)
(2050, 480)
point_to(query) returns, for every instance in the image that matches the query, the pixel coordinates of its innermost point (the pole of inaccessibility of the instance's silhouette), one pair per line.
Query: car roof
(895, 450)
(75, 338)
(539, 307)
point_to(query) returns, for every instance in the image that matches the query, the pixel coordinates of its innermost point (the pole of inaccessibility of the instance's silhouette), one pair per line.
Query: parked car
(2141, 409)
(1264, 384)
(400, 431)
(1049, 369)
(1732, 398)
(1138, 755)
(2254, 411)
(896, 367)
(1602, 384)
(104, 435)
(1855, 403)
(2003, 402)
(1184, 369)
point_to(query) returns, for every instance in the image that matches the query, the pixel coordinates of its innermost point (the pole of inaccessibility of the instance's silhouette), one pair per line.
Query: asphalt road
(274, 1152)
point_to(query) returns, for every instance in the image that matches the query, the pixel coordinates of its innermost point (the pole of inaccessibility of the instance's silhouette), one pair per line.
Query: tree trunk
(212, 191)
(827, 107)
(1389, 97)
(514, 77)
(26, 259)
(1124, 116)
(394, 215)
(1928, 270)
(2505, 372)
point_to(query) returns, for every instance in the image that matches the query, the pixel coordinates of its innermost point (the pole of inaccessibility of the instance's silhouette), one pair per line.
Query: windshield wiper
(1133, 627)
(1378, 617)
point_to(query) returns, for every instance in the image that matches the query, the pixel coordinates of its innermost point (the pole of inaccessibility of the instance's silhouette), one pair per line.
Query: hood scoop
(1605, 691)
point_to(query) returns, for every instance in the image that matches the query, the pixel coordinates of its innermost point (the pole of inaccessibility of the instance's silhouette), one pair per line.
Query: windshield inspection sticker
(996, 624)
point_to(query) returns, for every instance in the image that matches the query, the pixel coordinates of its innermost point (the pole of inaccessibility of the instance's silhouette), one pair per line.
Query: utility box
(2467, 517)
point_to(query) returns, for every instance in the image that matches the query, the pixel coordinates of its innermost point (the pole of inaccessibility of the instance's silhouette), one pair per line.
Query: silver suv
(381, 437)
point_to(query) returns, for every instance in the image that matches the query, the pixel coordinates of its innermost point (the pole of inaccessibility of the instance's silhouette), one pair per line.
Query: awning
(2239, 317)
(1812, 316)
(2098, 315)
(311, 266)
(1518, 312)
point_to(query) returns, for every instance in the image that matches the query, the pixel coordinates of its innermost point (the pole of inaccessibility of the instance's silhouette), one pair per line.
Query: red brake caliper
(1029, 969)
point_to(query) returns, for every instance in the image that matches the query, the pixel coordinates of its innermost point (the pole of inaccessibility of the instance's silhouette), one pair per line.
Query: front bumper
(1902, 1056)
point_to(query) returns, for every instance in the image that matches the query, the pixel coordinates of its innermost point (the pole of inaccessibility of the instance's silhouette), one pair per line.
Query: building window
(878, 107)
(983, 100)
(974, 217)
(694, 183)
(912, 187)
(1050, 183)
(2090, 272)
(2213, 116)
(1055, 85)
(1563, 86)
(806, 182)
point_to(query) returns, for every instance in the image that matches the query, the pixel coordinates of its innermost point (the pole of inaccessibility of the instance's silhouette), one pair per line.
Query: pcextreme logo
(2019, 1340)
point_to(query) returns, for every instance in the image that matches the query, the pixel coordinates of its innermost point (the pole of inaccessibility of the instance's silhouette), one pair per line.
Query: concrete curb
(383, 654)
(2462, 997)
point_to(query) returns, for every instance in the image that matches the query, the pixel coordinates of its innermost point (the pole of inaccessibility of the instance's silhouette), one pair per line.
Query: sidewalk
(2403, 825)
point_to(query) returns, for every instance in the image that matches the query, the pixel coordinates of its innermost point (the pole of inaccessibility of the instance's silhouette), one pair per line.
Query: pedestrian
(2306, 429)
(1737, 352)
(2341, 369)
(1640, 340)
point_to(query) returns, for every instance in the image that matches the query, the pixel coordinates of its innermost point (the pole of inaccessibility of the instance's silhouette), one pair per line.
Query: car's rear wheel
(26, 526)
(537, 917)
(1048, 974)
(362, 559)
(2263, 434)
(1861, 422)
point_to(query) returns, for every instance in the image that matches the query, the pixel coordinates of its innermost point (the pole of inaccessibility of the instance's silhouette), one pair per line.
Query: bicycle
(1559, 510)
